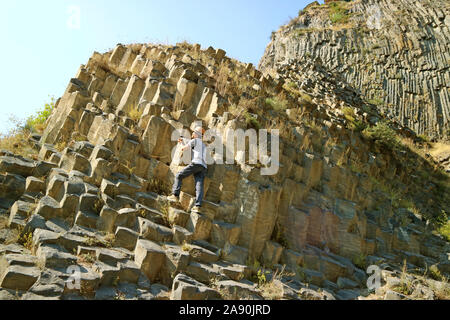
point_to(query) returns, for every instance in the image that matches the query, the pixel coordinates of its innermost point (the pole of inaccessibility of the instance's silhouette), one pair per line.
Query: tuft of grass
(442, 291)
(443, 223)
(277, 104)
(306, 97)
(376, 101)
(88, 259)
(186, 247)
(26, 240)
(251, 121)
(293, 89)
(106, 242)
(354, 124)
(3, 222)
(406, 286)
(349, 113)
(338, 12)
(358, 126)
(135, 114)
(130, 168)
(271, 290)
(214, 284)
(60, 146)
(159, 186)
(164, 209)
(262, 279)
(434, 273)
(445, 231)
(382, 133)
(120, 296)
(292, 85)
(360, 261)
(98, 206)
(423, 138)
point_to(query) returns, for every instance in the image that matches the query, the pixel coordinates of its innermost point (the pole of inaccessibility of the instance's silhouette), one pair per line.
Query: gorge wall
(394, 52)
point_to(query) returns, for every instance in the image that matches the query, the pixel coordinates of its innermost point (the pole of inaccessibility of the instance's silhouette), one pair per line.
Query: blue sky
(43, 47)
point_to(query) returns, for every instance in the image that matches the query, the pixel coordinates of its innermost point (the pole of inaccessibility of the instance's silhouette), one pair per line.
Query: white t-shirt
(198, 152)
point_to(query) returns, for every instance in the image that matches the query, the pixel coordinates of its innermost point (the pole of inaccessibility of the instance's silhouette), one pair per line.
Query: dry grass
(186, 247)
(26, 240)
(17, 139)
(60, 146)
(439, 149)
(17, 143)
(120, 296)
(432, 279)
(159, 186)
(271, 290)
(106, 242)
(135, 114)
(87, 259)
(442, 291)
(3, 222)
(164, 209)
(214, 284)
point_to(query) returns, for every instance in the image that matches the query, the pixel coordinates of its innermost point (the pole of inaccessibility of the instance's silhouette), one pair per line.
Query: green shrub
(292, 85)
(298, 33)
(338, 12)
(360, 261)
(37, 122)
(382, 134)
(376, 101)
(251, 121)
(277, 104)
(349, 113)
(435, 273)
(337, 17)
(358, 126)
(444, 225)
(423, 138)
(354, 124)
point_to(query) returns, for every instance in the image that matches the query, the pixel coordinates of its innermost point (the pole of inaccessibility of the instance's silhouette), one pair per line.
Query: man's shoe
(196, 209)
(173, 198)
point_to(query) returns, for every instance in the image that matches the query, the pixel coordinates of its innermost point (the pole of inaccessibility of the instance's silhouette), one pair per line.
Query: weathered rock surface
(93, 221)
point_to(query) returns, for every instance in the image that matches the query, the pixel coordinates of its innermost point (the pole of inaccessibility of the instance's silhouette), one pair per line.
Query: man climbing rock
(197, 168)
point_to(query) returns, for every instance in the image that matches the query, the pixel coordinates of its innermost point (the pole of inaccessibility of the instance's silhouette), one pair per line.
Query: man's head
(198, 133)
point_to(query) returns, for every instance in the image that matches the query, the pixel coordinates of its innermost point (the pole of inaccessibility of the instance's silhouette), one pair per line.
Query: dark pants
(199, 173)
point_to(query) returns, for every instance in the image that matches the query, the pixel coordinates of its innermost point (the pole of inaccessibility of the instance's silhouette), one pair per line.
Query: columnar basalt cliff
(96, 199)
(393, 52)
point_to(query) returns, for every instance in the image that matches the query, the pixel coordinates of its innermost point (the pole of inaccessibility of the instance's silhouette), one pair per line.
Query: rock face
(393, 52)
(96, 201)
